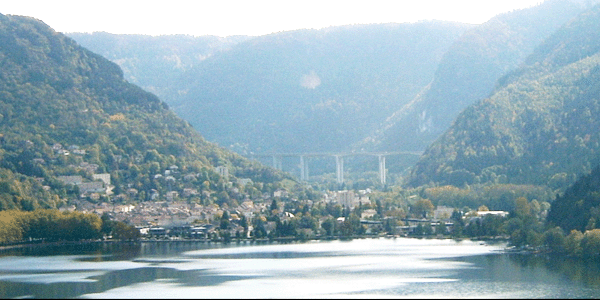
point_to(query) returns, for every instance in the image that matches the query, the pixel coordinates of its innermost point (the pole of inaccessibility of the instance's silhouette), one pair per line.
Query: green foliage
(122, 231)
(54, 92)
(52, 225)
(494, 196)
(537, 128)
(48, 225)
(579, 206)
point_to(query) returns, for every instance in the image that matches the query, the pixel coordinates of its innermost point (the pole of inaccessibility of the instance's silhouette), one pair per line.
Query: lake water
(362, 268)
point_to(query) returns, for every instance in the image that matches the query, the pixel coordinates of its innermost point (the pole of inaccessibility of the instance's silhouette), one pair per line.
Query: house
(368, 213)
(442, 213)
(346, 198)
(91, 187)
(244, 181)
(492, 212)
(188, 192)
(75, 180)
(280, 193)
(105, 177)
(131, 192)
(189, 177)
(79, 152)
(171, 195)
(124, 208)
(223, 171)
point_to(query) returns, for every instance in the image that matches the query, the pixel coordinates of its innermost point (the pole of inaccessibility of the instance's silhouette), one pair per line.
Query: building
(223, 171)
(442, 213)
(105, 177)
(75, 180)
(244, 181)
(346, 198)
(492, 212)
(91, 187)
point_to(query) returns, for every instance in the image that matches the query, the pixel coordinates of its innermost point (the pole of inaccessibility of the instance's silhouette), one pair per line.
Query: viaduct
(339, 161)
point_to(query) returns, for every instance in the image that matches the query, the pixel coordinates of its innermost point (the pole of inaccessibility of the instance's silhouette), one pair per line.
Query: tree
(421, 208)
(329, 226)
(573, 243)
(522, 207)
(555, 241)
(273, 207)
(124, 231)
(224, 223)
(590, 243)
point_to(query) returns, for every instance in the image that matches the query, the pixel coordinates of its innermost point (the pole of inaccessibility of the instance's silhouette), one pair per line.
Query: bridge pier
(339, 161)
(382, 171)
(339, 164)
(277, 162)
(303, 169)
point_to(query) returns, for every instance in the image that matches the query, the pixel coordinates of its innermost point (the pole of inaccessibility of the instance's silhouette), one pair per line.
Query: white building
(105, 177)
(223, 171)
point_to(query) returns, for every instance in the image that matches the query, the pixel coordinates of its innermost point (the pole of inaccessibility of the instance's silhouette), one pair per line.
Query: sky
(246, 17)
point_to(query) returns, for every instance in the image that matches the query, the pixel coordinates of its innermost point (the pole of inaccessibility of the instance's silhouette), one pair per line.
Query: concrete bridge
(339, 161)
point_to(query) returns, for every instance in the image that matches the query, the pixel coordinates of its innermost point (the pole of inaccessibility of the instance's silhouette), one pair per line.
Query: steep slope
(539, 127)
(67, 111)
(154, 62)
(468, 71)
(579, 207)
(311, 90)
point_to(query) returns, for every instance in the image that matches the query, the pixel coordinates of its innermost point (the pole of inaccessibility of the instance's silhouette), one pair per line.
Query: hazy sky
(246, 17)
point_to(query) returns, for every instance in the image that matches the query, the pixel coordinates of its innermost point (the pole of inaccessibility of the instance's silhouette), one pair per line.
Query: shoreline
(285, 240)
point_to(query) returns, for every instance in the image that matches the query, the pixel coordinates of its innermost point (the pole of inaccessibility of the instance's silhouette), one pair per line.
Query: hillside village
(175, 213)
(178, 211)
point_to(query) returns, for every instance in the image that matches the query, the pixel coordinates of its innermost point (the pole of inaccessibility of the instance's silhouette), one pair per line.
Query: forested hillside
(67, 111)
(539, 127)
(579, 207)
(155, 63)
(468, 72)
(311, 90)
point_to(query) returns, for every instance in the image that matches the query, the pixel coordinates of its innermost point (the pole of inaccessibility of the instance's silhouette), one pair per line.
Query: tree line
(51, 225)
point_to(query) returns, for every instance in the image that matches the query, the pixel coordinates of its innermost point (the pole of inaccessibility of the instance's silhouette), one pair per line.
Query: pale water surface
(363, 268)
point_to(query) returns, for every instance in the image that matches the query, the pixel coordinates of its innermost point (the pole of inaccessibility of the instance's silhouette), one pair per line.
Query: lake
(361, 268)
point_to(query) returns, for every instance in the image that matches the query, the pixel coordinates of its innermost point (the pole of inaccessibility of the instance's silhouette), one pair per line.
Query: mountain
(154, 63)
(468, 72)
(540, 125)
(66, 111)
(310, 90)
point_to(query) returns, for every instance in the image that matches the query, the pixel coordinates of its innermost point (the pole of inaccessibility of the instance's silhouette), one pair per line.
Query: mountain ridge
(68, 111)
(538, 125)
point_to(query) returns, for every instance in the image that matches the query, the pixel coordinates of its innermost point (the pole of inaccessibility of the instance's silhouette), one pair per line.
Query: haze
(254, 18)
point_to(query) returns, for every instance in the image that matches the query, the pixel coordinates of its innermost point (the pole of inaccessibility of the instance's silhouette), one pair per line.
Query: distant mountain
(66, 111)
(540, 126)
(468, 73)
(310, 90)
(155, 63)
(364, 73)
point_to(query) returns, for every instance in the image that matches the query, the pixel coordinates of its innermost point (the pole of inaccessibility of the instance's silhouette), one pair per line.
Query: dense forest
(65, 110)
(538, 127)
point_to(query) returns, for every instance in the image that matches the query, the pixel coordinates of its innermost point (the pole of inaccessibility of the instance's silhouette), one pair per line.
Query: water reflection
(586, 272)
(362, 268)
